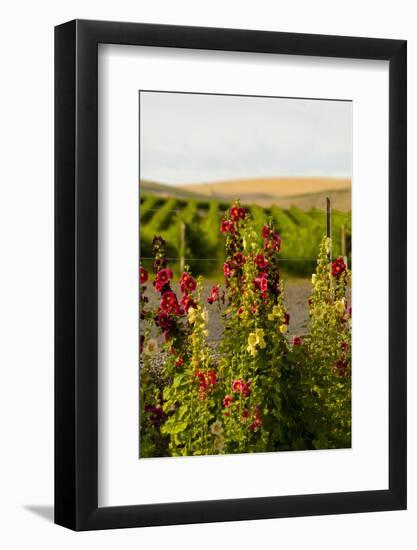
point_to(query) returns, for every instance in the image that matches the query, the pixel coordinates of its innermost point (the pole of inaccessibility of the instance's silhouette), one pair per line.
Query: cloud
(190, 138)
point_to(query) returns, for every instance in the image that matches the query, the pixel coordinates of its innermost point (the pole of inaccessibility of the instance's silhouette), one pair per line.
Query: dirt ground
(297, 292)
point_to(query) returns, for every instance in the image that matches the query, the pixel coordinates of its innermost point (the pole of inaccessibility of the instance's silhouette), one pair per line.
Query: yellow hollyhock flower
(340, 306)
(252, 339)
(252, 350)
(283, 328)
(192, 315)
(260, 338)
(217, 428)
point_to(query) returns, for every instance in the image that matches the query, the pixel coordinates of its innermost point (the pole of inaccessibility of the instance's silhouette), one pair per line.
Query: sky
(196, 138)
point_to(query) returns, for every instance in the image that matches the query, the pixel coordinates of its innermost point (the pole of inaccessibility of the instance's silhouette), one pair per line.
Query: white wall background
(26, 273)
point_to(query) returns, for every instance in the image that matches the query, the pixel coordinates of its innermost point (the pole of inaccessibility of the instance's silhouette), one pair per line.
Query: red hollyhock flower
(261, 261)
(201, 378)
(237, 385)
(169, 303)
(187, 283)
(245, 414)
(261, 283)
(227, 270)
(239, 259)
(344, 346)
(163, 321)
(156, 414)
(234, 213)
(246, 389)
(227, 401)
(163, 277)
(179, 362)
(296, 341)
(338, 267)
(226, 227)
(257, 423)
(273, 241)
(187, 302)
(341, 368)
(265, 232)
(214, 296)
(205, 382)
(287, 319)
(143, 275)
(242, 213)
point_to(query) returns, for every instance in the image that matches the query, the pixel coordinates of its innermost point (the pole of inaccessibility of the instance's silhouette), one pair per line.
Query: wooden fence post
(329, 224)
(182, 246)
(343, 243)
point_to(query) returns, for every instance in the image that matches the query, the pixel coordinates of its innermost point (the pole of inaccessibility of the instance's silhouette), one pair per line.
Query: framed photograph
(230, 247)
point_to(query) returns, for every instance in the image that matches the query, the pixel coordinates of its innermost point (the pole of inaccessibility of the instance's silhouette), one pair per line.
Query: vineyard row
(301, 232)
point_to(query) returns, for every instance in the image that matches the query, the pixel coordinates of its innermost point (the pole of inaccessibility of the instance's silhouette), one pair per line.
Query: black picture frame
(76, 272)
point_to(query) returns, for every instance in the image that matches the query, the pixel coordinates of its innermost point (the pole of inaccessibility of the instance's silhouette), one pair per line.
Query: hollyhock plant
(328, 340)
(246, 393)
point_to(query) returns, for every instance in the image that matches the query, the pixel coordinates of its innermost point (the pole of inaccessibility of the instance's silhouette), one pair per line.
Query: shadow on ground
(45, 512)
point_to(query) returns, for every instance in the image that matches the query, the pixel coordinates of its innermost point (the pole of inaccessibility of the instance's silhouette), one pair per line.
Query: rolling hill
(304, 193)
